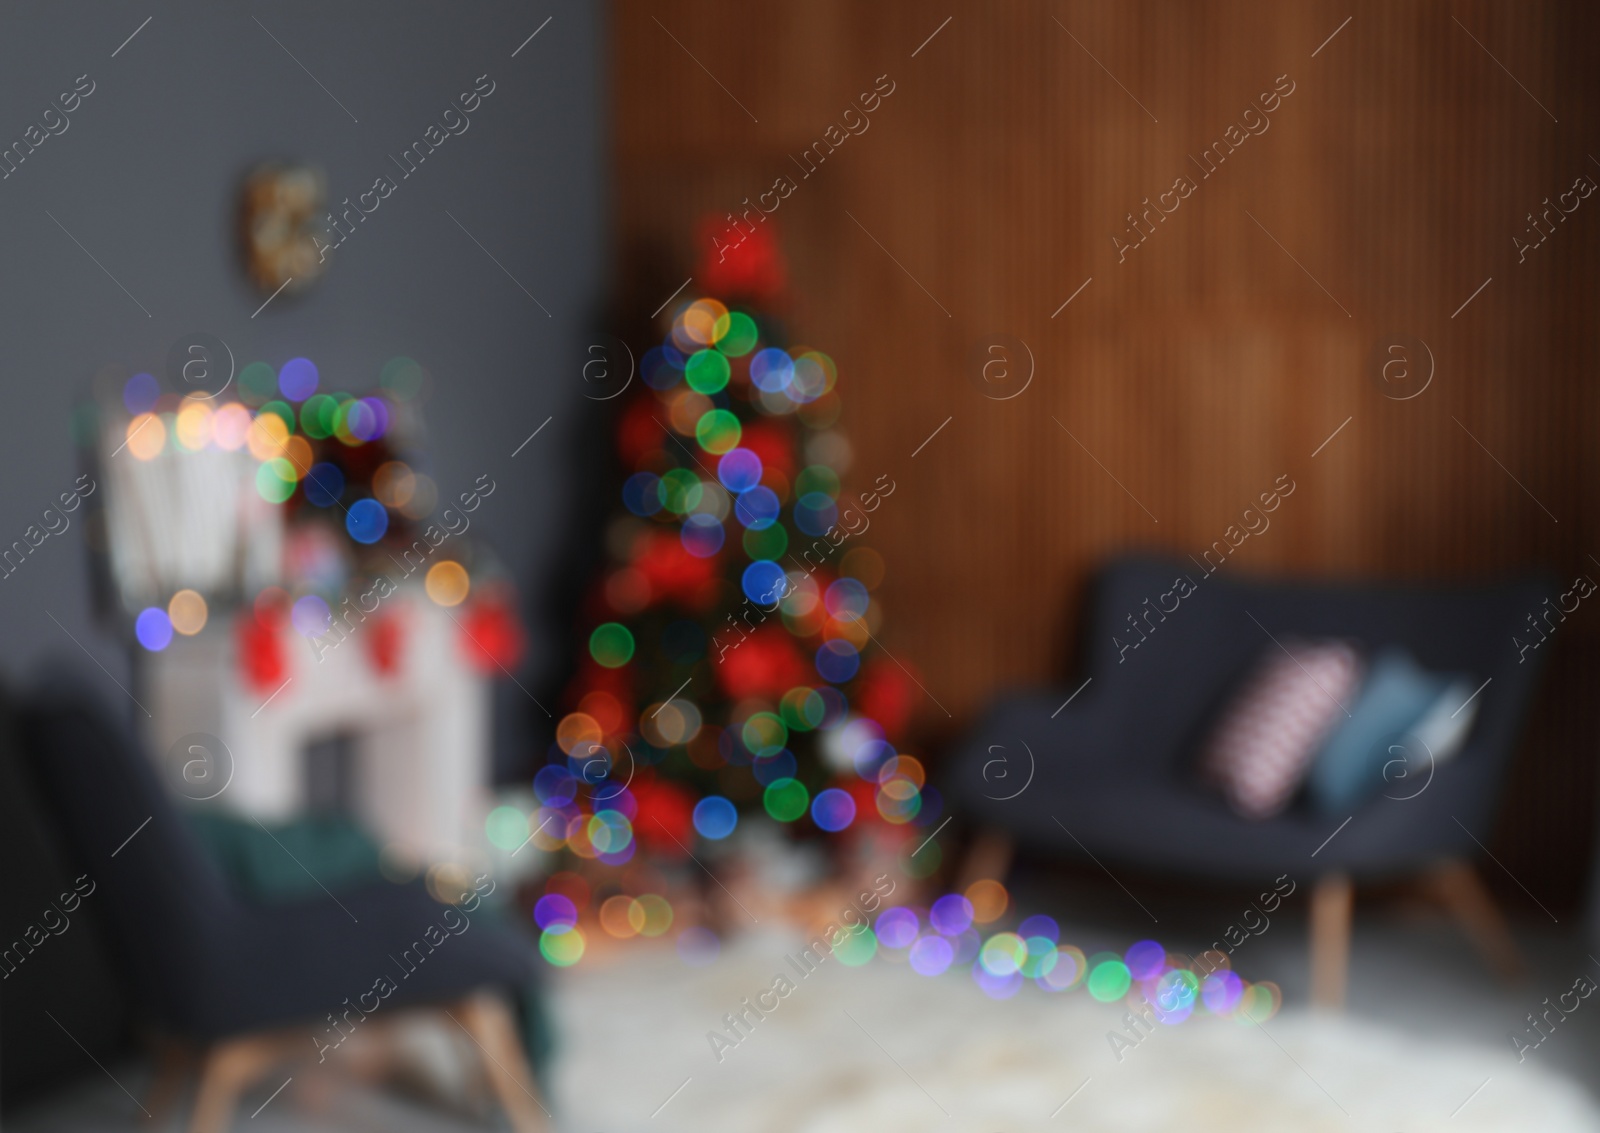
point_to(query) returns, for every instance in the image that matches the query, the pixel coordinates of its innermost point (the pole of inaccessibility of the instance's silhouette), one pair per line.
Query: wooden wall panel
(1211, 359)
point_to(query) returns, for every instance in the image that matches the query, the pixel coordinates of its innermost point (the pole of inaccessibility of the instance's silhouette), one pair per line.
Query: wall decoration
(279, 209)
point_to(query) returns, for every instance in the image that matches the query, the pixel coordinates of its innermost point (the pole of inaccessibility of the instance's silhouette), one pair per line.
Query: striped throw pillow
(1263, 747)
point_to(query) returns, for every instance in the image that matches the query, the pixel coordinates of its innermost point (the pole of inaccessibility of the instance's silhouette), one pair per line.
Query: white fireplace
(417, 738)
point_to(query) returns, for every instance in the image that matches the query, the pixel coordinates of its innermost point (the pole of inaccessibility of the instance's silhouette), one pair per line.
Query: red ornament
(739, 263)
(886, 695)
(666, 812)
(673, 572)
(766, 663)
(865, 795)
(772, 445)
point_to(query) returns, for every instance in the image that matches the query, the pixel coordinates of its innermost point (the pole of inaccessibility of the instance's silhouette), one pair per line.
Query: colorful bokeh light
(153, 629)
(785, 799)
(366, 521)
(833, 809)
(715, 817)
(611, 645)
(297, 379)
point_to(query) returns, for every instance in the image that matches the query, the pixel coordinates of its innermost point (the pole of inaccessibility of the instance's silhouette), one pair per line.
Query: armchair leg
(229, 1069)
(1459, 888)
(488, 1023)
(1331, 902)
(989, 856)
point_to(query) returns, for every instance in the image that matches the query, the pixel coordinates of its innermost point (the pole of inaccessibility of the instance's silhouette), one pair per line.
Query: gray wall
(146, 179)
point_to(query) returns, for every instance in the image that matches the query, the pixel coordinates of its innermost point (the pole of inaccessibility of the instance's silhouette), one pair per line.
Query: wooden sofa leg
(1459, 888)
(171, 1058)
(230, 1067)
(488, 1023)
(1331, 902)
(989, 856)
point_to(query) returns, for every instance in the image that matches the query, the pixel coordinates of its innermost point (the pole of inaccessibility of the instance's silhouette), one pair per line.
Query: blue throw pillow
(1349, 768)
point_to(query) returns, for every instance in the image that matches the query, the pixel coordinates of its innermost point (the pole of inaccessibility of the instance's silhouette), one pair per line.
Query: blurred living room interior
(815, 567)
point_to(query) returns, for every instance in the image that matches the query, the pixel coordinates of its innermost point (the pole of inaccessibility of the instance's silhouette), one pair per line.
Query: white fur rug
(879, 1049)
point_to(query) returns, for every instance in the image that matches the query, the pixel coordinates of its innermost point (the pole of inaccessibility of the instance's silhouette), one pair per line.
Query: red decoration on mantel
(491, 634)
(385, 639)
(260, 648)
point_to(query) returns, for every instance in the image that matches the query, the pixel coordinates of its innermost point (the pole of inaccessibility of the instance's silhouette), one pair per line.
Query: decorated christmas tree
(729, 663)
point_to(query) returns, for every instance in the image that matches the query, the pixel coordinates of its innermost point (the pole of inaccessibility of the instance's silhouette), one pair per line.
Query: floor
(1410, 970)
(1410, 967)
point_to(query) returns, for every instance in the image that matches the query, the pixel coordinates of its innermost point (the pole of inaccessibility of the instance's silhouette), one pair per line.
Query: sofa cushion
(1443, 729)
(1264, 742)
(1350, 768)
